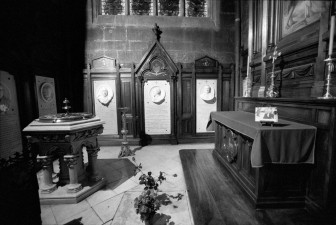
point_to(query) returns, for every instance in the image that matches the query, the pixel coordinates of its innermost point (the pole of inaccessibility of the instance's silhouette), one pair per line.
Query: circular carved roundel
(157, 65)
(47, 92)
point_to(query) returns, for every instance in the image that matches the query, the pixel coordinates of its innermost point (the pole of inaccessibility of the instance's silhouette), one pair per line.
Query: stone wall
(127, 38)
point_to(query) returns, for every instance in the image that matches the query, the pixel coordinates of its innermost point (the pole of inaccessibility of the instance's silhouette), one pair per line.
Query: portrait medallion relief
(104, 94)
(207, 93)
(5, 98)
(157, 95)
(47, 92)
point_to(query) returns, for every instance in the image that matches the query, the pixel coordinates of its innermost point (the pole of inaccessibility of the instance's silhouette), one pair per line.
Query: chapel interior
(96, 93)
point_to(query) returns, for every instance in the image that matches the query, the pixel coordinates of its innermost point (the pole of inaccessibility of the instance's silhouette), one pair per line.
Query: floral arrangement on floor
(147, 203)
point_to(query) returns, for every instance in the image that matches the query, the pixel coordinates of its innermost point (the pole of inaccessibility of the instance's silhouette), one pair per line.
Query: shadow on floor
(161, 219)
(136, 149)
(75, 222)
(116, 171)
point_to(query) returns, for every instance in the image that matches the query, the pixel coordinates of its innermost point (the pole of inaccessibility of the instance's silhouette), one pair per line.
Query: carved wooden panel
(206, 62)
(103, 62)
(187, 109)
(126, 101)
(230, 145)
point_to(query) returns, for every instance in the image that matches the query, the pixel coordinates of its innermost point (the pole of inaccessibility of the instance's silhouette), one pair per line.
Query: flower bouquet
(147, 203)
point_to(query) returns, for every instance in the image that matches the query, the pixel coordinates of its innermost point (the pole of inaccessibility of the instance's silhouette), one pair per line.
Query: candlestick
(125, 149)
(332, 31)
(272, 91)
(331, 68)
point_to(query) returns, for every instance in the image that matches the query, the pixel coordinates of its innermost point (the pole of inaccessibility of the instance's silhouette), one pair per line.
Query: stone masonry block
(94, 34)
(138, 45)
(140, 34)
(114, 45)
(113, 54)
(115, 33)
(129, 56)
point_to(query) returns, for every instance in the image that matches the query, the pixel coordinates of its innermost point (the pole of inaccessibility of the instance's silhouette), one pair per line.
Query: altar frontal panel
(106, 105)
(157, 107)
(206, 102)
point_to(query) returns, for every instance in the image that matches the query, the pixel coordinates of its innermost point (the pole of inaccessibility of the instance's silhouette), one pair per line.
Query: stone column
(64, 172)
(47, 185)
(71, 161)
(92, 163)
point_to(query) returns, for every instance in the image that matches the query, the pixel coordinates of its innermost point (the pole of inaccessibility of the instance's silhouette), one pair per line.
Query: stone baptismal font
(63, 136)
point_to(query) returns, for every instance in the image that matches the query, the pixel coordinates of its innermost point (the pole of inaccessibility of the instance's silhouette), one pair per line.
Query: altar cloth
(286, 142)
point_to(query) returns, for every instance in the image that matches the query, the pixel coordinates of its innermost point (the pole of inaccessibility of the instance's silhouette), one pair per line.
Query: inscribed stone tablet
(10, 131)
(106, 105)
(157, 107)
(206, 102)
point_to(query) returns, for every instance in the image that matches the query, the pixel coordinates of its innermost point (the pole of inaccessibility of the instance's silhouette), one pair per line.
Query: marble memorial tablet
(157, 107)
(106, 105)
(10, 131)
(46, 95)
(206, 102)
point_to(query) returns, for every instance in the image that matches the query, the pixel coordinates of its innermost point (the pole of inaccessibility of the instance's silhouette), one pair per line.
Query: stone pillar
(64, 172)
(92, 163)
(47, 185)
(71, 161)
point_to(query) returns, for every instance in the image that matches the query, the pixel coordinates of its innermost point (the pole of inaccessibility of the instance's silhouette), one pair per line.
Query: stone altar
(63, 136)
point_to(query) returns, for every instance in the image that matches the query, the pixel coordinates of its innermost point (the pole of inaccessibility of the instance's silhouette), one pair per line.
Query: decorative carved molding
(156, 64)
(206, 62)
(87, 134)
(103, 62)
(59, 138)
(294, 72)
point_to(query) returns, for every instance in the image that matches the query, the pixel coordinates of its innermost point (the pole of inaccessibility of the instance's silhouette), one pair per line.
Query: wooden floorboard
(204, 209)
(216, 199)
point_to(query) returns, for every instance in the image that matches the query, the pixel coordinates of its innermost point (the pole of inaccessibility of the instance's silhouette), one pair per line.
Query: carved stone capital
(71, 160)
(46, 161)
(92, 151)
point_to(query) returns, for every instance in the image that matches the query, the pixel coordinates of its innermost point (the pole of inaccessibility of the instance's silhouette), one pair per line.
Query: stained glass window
(196, 8)
(189, 8)
(113, 7)
(141, 7)
(168, 7)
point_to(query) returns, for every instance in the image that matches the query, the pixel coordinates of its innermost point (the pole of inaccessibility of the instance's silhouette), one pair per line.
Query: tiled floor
(114, 204)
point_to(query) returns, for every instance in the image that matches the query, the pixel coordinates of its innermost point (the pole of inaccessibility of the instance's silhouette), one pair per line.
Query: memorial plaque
(10, 131)
(157, 107)
(106, 105)
(46, 96)
(206, 102)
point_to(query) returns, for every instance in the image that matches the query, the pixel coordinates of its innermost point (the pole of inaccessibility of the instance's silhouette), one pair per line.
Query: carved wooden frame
(296, 40)
(156, 64)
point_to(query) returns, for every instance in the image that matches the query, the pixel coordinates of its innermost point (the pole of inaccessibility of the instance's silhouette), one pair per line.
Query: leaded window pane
(168, 7)
(113, 7)
(196, 8)
(141, 7)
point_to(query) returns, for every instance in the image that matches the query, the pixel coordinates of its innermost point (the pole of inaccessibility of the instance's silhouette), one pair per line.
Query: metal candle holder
(331, 68)
(272, 91)
(66, 106)
(125, 149)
